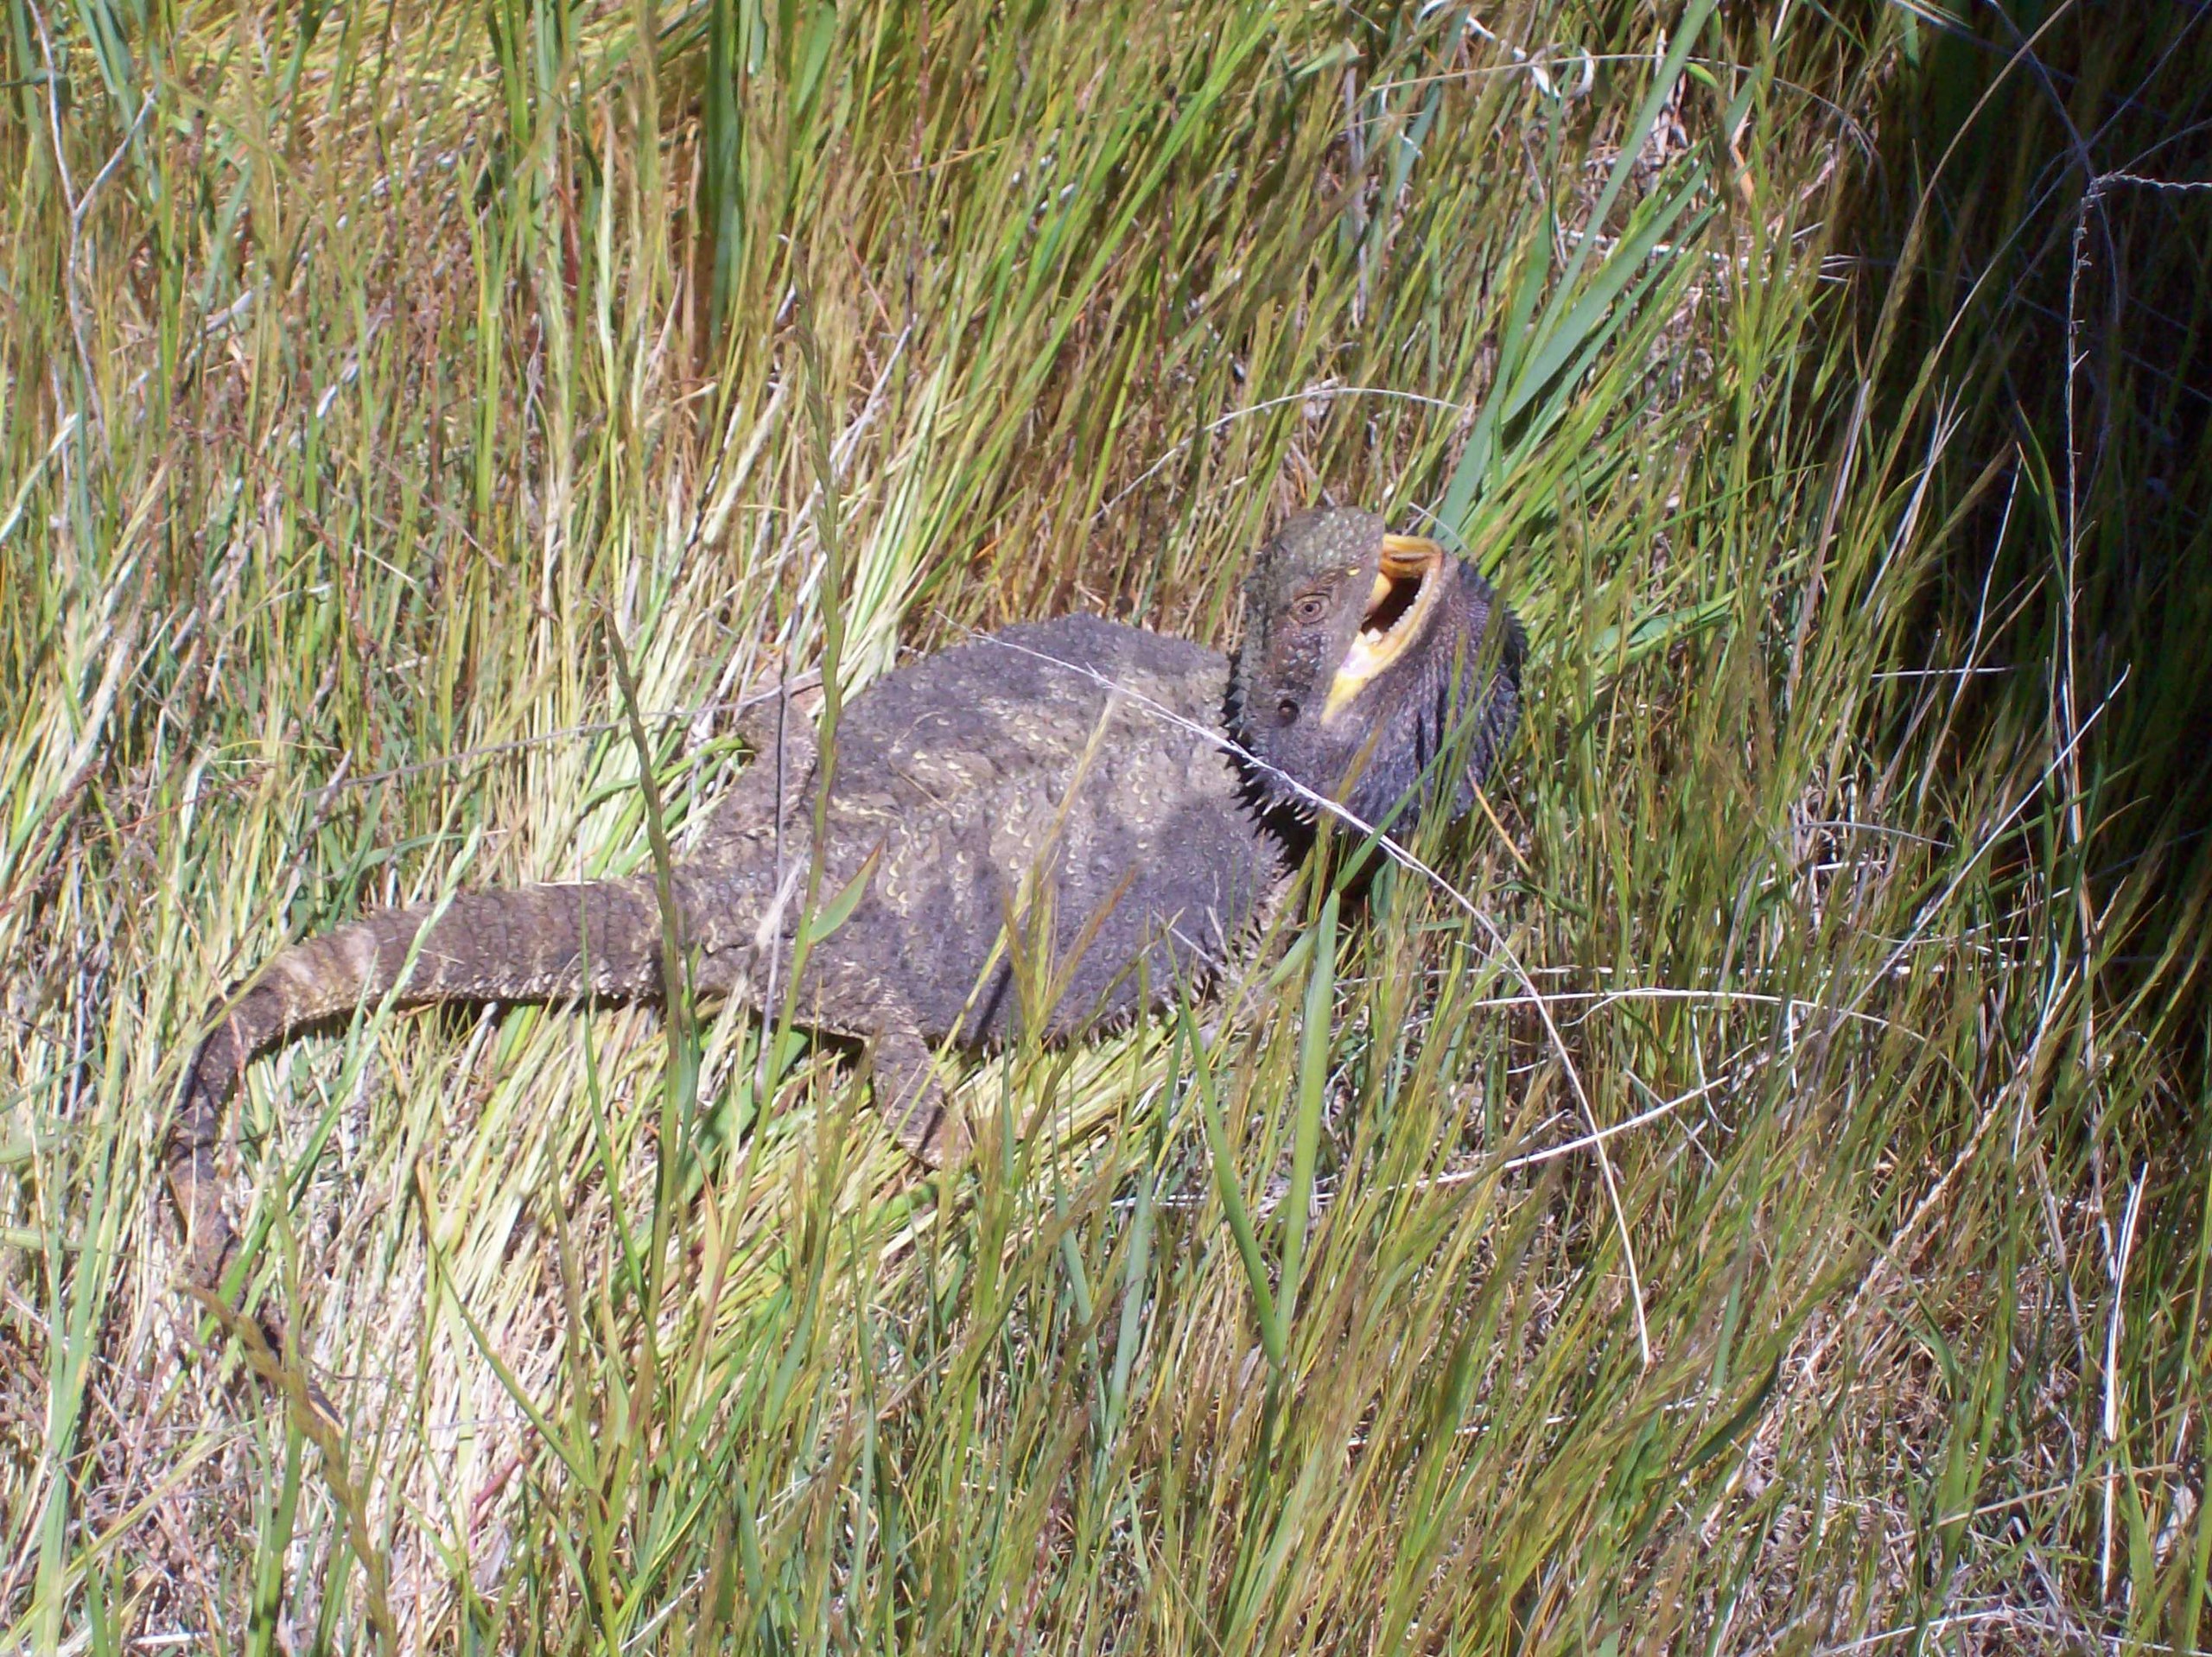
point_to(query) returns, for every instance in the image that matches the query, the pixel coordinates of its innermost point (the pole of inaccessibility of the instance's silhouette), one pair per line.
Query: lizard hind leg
(779, 715)
(912, 1100)
(778, 728)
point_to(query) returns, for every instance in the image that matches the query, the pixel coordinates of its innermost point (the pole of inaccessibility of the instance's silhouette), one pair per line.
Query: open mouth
(1397, 613)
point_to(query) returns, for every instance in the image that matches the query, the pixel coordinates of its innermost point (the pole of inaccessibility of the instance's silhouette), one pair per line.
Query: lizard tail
(532, 943)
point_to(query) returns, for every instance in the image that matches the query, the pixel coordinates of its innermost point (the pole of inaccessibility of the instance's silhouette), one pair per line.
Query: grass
(1757, 1204)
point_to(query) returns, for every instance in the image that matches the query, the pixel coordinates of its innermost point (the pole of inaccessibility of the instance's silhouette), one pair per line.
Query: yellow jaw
(1398, 609)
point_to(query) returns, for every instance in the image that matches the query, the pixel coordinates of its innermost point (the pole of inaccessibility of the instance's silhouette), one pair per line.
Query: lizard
(1125, 806)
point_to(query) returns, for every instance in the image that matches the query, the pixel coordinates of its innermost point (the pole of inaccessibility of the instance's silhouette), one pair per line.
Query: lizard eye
(1312, 607)
(1287, 712)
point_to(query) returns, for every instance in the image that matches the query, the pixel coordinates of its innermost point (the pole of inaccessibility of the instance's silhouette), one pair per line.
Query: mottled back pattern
(1063, 781)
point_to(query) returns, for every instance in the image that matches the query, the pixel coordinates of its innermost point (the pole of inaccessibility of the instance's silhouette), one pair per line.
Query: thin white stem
(2118, 1265)
(1311, 394)
(1398, 853)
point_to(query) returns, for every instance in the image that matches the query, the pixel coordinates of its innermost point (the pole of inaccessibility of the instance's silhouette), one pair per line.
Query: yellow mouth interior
(1397, 613)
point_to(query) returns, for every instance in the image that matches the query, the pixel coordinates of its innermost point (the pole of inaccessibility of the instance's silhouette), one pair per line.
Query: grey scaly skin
(1324, 694)
(1057, 791)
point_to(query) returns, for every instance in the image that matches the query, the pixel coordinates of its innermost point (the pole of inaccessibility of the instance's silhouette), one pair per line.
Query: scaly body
(1058, 790)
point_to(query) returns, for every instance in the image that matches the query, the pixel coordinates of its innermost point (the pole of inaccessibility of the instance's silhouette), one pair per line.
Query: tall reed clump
(1742, 1191)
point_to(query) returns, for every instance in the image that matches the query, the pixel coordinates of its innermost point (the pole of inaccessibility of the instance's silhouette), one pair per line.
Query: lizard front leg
(914, 1102)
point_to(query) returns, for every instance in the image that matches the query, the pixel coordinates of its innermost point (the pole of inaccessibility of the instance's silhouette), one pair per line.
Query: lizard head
(1368, 656)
